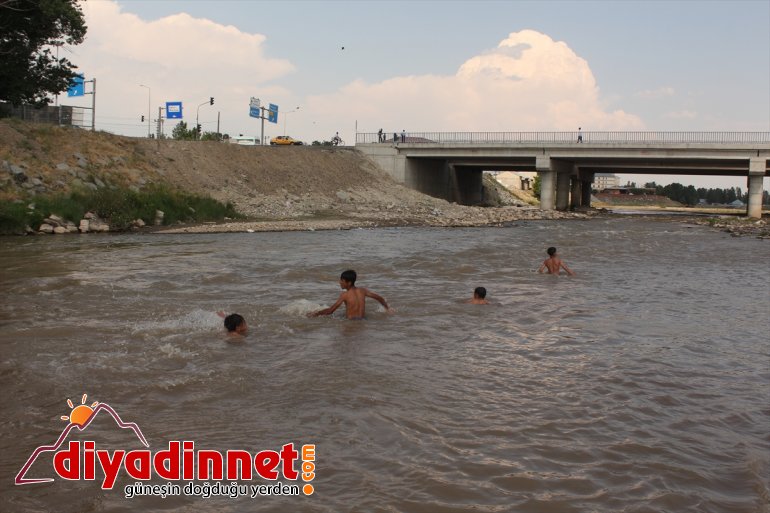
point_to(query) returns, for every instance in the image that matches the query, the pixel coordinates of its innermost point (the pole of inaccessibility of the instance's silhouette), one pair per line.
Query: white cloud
(180, 58)
(529, 82)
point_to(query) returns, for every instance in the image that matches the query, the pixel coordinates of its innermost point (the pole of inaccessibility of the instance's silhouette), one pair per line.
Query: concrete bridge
(449, 165)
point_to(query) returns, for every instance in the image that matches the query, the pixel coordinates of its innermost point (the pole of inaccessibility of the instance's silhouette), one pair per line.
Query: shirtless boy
(354, 299)
(234, 324)
(554, 264)
(479, 296)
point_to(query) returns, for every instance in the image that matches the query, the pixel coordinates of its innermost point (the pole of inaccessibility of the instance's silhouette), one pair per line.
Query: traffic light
(198, 128)
(211, 101)
(142, 119)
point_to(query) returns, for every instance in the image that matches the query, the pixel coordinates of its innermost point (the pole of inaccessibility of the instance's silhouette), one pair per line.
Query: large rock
(59, 230)
(45, 228)
(84, 226)
(97, 225)
(62, 167)
(159, 215)
(18, 173)
(54, 220)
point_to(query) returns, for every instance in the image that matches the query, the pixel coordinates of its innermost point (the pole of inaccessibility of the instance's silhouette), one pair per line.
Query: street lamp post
(149, 101)
(284, 118)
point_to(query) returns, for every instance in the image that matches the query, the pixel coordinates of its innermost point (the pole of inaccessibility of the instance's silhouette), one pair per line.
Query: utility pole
(262, 136)
(149, 101)
(218, 113)
(160, 121)
(93, 103)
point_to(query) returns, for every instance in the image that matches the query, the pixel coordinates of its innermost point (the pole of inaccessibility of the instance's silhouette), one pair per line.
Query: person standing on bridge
(380, 137)
(580, 135)
(403, 135)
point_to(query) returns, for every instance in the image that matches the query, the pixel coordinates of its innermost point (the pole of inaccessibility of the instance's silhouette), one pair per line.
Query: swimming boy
(234, 324)
(554, 264)
(354, 299)
(479, 296)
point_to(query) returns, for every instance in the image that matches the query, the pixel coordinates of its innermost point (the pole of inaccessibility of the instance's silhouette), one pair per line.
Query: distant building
(737, 203)
(605, 181)
(521, 180)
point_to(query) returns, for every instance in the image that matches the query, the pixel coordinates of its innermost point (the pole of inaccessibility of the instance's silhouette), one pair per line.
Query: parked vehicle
(284, 140)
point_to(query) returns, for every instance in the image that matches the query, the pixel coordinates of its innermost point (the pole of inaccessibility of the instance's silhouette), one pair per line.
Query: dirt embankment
(277, 188)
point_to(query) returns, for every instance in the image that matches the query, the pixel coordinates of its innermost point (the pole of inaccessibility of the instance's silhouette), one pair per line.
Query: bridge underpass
(450, 166)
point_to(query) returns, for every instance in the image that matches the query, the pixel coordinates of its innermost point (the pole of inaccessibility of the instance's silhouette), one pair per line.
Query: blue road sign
(254, 111)
(173, 110)
(273, 113)
(77, 87)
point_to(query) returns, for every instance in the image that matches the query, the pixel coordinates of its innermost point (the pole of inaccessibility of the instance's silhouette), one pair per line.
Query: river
(642, 384)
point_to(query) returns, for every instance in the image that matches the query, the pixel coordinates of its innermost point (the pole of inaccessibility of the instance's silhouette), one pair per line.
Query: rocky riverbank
(738, 226)
(274, 188)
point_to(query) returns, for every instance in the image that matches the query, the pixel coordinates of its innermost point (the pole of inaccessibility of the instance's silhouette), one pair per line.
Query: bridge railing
(567, 137)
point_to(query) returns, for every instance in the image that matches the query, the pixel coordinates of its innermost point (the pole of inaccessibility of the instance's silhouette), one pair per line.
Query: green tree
(536, 186)
(211, 136)
(30, 71)
(182, 133)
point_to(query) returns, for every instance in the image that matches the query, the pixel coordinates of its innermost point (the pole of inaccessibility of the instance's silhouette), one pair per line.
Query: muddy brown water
(642, 384)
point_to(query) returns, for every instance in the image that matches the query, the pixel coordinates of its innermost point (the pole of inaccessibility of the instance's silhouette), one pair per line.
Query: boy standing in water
(354, 299)
(553, 263)
(479, 296)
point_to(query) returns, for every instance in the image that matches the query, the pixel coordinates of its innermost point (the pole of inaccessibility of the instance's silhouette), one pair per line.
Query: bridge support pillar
(588, 180)
(756, 174)
(547, 182)
(576, 196)
(562, 190)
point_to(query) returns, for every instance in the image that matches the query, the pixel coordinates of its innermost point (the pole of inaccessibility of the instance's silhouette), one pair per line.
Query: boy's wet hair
(349, 276)
(232, 321)
(480, 292)
(551, 251)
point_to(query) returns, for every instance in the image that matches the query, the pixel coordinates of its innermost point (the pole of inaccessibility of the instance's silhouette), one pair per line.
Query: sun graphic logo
(80, 417)
(81, 413)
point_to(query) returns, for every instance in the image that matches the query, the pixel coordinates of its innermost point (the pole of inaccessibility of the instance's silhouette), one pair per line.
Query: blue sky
(425, 65)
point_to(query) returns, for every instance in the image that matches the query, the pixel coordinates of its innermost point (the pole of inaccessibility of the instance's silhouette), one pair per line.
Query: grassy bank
(119, 207)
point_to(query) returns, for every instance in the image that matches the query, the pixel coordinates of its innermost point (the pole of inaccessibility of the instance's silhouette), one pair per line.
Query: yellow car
(284, 140)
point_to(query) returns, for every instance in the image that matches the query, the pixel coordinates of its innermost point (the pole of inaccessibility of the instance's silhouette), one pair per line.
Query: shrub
(119, 207)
